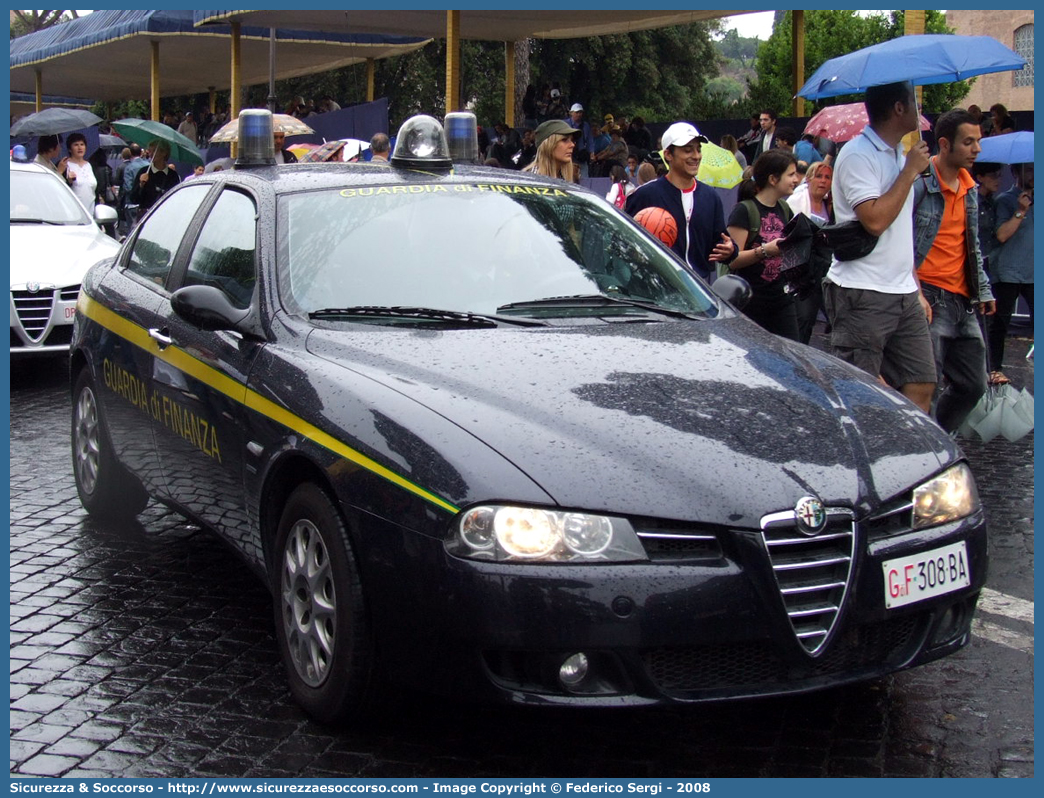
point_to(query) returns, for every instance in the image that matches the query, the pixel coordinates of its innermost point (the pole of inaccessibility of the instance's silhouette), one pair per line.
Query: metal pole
(271, 70)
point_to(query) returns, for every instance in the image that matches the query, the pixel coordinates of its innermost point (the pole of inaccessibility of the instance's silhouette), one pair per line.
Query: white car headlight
(947, 497)
(531, 534)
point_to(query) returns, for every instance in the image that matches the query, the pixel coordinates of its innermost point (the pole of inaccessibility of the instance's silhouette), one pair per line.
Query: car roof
(22, 166)
(290, 178)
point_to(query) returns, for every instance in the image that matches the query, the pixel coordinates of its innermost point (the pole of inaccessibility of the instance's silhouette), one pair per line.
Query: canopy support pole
(38, 80)
(913, 25)
(271, 70)
(797, 36)
(509, 84)
(154, 86)
(452, 61)
(370, 79)
(234, 98)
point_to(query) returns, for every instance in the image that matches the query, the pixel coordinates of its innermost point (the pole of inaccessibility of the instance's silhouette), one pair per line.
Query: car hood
(713, 421)
(56, 255)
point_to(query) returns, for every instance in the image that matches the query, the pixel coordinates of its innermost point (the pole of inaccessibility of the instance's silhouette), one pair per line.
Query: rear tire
(107, 490)
(320, 614)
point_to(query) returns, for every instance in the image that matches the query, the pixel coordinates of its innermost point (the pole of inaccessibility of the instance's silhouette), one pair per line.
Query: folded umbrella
(144, 131)
(1001, 411)
(54, 120)
(281, 123)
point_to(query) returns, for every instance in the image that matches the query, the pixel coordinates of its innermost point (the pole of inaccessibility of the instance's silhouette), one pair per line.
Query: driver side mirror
(207, 308)
(733, 289)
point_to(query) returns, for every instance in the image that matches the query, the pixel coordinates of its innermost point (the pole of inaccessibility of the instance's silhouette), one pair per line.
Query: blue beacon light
(256, 145)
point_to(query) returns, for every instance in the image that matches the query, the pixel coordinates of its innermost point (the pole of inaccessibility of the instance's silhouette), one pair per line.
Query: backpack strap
(753, 220)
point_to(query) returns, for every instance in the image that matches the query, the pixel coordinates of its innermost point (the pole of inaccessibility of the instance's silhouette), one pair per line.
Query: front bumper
(710, 627)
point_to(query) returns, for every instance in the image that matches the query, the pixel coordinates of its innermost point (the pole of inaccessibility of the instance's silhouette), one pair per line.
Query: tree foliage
(24, 22)
(658, 74)
(829, 34)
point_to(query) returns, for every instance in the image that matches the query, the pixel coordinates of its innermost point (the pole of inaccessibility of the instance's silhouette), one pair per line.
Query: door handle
(160, 337)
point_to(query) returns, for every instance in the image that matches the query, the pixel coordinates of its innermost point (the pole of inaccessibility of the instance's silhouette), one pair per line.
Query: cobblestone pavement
(148, 651)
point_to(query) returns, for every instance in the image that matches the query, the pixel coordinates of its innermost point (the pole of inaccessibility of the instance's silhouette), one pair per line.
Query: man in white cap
(697, 210)
(584, 142)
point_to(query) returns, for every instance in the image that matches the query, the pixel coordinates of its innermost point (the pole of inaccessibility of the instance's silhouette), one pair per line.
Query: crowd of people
(931, 254)
(922, 249)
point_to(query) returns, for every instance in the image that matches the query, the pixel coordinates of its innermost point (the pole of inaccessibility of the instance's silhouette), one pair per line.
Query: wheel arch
(285, 474)
(77, 362)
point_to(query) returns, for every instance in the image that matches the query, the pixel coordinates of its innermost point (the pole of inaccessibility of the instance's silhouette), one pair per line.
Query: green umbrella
(719, 167)
(144, 131)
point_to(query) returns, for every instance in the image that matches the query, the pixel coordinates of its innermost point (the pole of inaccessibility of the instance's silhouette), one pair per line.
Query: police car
(483, 435)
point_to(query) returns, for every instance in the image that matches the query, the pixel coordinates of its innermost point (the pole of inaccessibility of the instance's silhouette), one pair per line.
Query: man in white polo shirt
(878, 316)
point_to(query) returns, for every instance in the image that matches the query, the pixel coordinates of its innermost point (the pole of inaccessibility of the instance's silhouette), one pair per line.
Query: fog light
(574, 670)
(950, 626)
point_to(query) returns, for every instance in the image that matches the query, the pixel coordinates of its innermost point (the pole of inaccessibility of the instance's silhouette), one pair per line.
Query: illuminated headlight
(947, 497)
(510, 533)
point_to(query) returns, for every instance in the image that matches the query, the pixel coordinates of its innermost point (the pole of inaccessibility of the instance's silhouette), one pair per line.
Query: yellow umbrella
(719, 167)
(281, 123)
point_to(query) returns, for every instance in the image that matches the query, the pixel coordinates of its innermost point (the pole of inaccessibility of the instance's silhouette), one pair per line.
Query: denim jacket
(929, 205)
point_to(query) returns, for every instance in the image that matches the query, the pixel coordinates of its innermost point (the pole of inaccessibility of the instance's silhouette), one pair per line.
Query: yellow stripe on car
(252, 400)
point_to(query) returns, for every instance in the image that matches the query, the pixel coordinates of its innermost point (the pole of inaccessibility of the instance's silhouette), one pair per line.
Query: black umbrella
(105, 140)
(54, 120)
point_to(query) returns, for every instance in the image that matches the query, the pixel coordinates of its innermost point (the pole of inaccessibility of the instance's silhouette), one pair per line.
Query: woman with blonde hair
(812, 198)
(554, 151)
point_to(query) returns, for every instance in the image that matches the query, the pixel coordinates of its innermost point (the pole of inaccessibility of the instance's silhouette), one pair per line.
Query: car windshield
(38, 198)
(474, 248)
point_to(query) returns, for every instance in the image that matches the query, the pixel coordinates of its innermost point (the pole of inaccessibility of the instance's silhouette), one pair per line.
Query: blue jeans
(960, 355)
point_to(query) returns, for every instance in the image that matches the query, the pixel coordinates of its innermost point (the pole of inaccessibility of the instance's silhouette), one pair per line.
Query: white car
(54, 241)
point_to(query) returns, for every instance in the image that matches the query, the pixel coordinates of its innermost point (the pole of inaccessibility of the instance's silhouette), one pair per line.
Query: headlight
(531, 534)
(947, 497)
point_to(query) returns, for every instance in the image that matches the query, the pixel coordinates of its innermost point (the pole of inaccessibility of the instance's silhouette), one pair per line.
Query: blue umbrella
(1008, 148)
(922, 59)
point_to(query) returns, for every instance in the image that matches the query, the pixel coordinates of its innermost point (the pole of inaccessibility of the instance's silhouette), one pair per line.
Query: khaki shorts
(883, 334)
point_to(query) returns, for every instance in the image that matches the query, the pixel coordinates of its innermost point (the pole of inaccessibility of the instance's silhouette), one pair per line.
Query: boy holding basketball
(697, 210)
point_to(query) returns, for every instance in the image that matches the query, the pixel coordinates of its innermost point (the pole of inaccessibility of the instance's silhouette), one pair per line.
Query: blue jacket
(696, 241)
(929, 206)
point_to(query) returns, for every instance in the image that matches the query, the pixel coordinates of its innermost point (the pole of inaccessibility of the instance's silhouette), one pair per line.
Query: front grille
(756, 666)
(70, 293)
(666, 541)
(34, 310)
(893, 518)
(812, 573)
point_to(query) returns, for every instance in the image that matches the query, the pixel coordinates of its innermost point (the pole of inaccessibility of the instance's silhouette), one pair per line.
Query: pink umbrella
(844, 122)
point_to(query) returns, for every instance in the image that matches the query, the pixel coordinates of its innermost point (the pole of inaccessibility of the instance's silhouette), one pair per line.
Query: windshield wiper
(593, 300)
(37, 221)
(424, 314)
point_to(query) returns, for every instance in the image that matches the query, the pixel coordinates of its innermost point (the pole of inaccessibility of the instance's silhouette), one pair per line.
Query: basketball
(660, 223)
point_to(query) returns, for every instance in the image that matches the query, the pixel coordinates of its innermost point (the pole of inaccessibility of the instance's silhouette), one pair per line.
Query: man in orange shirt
(949, 267)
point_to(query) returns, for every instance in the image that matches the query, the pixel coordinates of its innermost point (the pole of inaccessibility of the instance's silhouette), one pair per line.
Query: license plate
(908, 580)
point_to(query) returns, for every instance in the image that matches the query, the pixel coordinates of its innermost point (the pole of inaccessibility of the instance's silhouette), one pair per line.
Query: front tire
(320, 614)
(107, 490)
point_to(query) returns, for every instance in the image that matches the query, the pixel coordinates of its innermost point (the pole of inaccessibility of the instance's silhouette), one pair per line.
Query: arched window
(1024, 47)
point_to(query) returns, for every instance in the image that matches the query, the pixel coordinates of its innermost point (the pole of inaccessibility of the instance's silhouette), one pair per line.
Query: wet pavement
(147, 650)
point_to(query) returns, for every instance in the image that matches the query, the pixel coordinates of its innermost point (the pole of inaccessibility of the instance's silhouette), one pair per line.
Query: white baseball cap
(576, 107)
(679, 134)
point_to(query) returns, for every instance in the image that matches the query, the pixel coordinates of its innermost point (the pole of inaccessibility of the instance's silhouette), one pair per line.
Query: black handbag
(848, 240)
